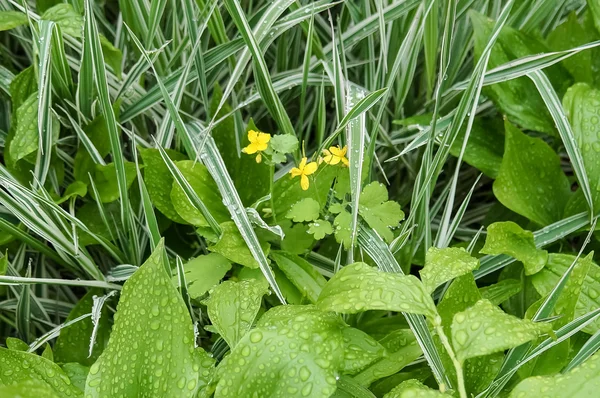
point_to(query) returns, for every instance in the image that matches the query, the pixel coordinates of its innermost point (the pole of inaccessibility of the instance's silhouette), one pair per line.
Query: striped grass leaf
(9, 280)
(85, 87)
(587, 350)
(305, 71)
(23, 313)
(147, 207)
(566, 133)
(430, 40)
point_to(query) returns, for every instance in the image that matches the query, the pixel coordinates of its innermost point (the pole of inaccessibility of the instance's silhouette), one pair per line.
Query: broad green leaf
(73, 342)
(571, 34)
(206, 189)
(17, 367)
(306, 209)
(360, 350)
(97, 133)
(297, 240)
(589, 297)
(414, 388)
(233, 306)
(517, 98)
(343, 232)
(510, 239)
(25, 140)
(151, 348)
(67, 18)
(581, 381)
(358, 287)
(581, 106)
(77, 373)
(540, 194)
(159, 181)
(301, 273)
(402, 348)
(320, 229)
(485, 329)
(284, 143)
(232, 246)
(112, 55)
(259, 367)
(380, 213)
(15, 344)
(11, 19)
(501, 291)
(28, 389)
(105, 179)
(76, 188)
(443, 265)
(204, 272)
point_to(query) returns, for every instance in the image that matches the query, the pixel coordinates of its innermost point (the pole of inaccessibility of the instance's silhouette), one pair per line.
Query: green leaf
(159, 181)
(284, 143)
(25, 140)
(359, 287)
(97, 133)
(297, 240)
(301, 273)
(258, 367)
(77, 373)
(443, 265)
(581, 381)
(73, 342)
(232, 246)
(76, 188)
(105, 179)
(67, 18)
(414, 388)
(320, 228)
(17, 367)
(571, 34)
(11, 19)
(510, 239)
(206, 189)
(28, 389)
(15, 344)
(233, 306)
(540, 194)
(112, 55)
(360, 350)
(204, 272)
(589, 298)
(306, 209)
(343, 232)
(402, 348)
(378, 212)
(151, 320)
(501, 291)
(485, 329)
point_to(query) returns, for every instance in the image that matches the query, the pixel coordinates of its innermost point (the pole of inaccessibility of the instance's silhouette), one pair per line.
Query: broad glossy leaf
(151, 348)
(301, 273)
(501, 291)
(204, 272)
(443, 265)
(294, 351)
(206, 189)
(380, 213)
(360, 350)
(581, 381)
(11, 19)
(233, 306)
(105, 179)
(232, 246)
(18, 367)
(73, 342)
(359, 287)
(542, 192)
(589, 298)
(77, 373)
(402, 348)
(15, 344)
(510, 239)
(297, 240)
(414, 388)
(25, 140)
(28, 389)
(97, 133)
(306, 209)
(485, 329)
(571, 34)
(320, 229)
(66, 17)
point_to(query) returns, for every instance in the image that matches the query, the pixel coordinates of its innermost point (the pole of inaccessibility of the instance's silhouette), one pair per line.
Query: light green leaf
(151, 321)
(232, 307)
(343, 232)
(284, 143)
(581, 381)
(206, 189)
(443, 265)
(76, 188)
(414, 388)
(501, 291)
(19, 367)
(297, 239)
(232, 246)
(15, 344)
(485, 329)
(313, 354)
(25, 140)
(77, 373)
(204, 272)
(112, 55)
(306, 209)
(358, 287)
(320, 228)
(28, 389)
(360, 350)
(105, 179)
(11, 19)
(378, 212)
(402, 348)
(301, 273)
(510, 239)
(568, 35)
(540, 194)
(67, 18)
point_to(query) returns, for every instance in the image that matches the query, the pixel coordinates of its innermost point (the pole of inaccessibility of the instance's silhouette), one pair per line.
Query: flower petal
(302, 164)
(327, 159)
(252, 136)
(263, 138)
(345, 161)
(251, 148)
(335, 160)
(310, 168)
(261, 146)
(336, 151)
(295, 172)
(304, 182)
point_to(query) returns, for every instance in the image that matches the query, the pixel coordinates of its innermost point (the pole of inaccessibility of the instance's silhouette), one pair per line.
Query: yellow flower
(258, 143)
(304, 170)
(335, 154)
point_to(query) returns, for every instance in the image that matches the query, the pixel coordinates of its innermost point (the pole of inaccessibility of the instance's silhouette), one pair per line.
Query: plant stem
(271, 177)
(457, 365)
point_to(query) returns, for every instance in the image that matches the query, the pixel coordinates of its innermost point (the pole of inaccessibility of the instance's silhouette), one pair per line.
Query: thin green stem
(457, 365)
(271, 177)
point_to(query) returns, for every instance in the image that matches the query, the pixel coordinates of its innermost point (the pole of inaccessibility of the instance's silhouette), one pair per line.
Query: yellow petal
(310, 168)
(345, 161)
(337, 151)
(327, 159)
(304, 182)
(335, 160)
(258, 158)
(252, 136)
(302, 164)
(251, 148)
(295, 172)
(261, 146)
(263, 138)
(344, 150)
